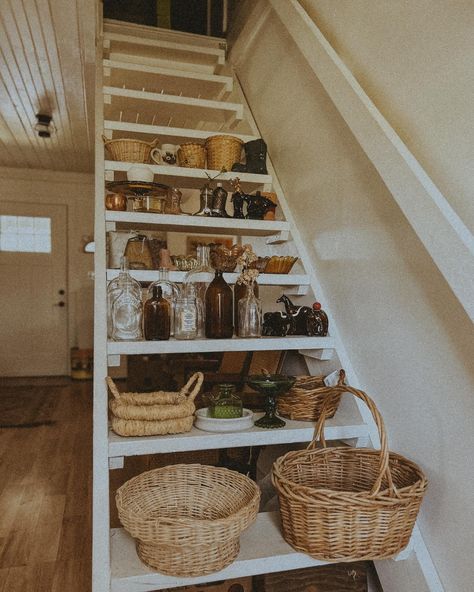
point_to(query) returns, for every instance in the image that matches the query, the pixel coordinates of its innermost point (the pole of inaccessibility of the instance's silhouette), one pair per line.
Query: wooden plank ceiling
(47, 63)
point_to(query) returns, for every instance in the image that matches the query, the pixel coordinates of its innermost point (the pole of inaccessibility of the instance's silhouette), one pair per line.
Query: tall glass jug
(116, 286)
(127, 312)
(197, 281)
(250, 314)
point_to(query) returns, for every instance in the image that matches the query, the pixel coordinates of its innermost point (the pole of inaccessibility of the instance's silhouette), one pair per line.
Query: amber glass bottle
(219, 309)
(240, 290)
(157, 315)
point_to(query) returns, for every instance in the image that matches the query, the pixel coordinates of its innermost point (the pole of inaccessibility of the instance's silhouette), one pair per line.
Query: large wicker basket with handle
(156, 413)
(348, 504)
(187, 519)
(130, 150)
(305, 400)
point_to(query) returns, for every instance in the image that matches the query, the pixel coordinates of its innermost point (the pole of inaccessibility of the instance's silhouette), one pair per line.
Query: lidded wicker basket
(129, 150)
(192, 155)
(306, 398)
(187, 519)
(348, 504)
(223, 152)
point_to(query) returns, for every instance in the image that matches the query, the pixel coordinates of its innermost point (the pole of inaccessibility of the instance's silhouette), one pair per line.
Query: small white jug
(167, 154)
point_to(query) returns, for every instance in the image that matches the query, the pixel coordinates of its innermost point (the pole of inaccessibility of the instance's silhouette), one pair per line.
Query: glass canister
(116, 286)
(185, 319)
(226, 404)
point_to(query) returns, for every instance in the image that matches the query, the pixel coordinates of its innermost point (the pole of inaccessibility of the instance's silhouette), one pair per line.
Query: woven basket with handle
(187, 519)
(156, 413)
(223, 152)
(348, 504)
(305, 400)
(129, 150)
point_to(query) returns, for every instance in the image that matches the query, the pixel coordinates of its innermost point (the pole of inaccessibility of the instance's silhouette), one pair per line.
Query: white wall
(75, 191)
(408, 338)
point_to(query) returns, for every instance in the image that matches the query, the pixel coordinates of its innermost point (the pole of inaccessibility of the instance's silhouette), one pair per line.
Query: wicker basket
(187, 519)
(348, 504)
(305, 400)
(157, 413)
(128, 150)
(223, 152)
(192, 155)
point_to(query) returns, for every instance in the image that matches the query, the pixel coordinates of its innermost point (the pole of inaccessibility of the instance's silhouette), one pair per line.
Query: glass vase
(240, 291)
(127, 313)
(197, 281)
(250, 314)
(116, 286)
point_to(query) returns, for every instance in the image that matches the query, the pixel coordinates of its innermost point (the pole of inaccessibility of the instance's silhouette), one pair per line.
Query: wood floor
(45, 490)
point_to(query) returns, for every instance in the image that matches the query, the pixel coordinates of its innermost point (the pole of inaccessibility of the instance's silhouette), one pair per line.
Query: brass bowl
(281, 265)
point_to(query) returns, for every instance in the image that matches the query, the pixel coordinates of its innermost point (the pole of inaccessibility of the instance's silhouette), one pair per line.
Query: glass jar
(169, 290)
(127, 315)
(157, 316)
(240, 290)
(185, 319)
(226, 404)
(116, 286)
(219, 309)
(250, 314)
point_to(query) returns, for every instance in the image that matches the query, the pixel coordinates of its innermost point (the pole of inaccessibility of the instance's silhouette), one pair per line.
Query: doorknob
(61, 304)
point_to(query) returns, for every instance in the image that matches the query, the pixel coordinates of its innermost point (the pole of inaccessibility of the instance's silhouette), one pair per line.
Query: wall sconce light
(88, 244)
(44, 125)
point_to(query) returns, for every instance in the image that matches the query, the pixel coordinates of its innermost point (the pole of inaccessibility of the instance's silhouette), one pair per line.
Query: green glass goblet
(270, 385)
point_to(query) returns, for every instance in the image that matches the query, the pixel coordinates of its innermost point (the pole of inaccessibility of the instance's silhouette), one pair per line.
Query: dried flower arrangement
(247, 275)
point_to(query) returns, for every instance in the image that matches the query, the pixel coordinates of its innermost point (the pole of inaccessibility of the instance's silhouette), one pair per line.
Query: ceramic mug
(167, 154)
(140, 173)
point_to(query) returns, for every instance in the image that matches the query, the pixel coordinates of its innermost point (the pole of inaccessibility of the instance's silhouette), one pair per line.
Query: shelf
(173, 346)
(192, 178)
(174, 135)
(262, 550)
(167, 80)
(201, 224)
(346, 424)
(166, 108)
(264, 279)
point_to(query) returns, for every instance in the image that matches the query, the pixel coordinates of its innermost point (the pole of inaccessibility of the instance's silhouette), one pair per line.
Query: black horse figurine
(275, 324)
(304, 320)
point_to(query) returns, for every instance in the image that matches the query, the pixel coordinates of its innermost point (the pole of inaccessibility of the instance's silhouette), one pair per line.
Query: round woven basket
(348, 504)
(305, 400)
(128, 150)
(192, 155)
(223, 152)
(187, 519)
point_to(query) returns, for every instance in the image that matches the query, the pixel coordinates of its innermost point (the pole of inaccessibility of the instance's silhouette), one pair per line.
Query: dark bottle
(240, 290)
(157, 316)
(219, 309)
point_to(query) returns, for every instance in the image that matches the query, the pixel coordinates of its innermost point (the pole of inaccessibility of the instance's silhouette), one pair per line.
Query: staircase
(179, 87)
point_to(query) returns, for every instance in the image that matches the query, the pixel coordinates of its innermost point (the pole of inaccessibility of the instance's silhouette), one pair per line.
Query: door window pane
(25, 234)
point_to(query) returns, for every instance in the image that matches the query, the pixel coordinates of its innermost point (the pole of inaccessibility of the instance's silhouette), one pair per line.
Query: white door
(33, 290)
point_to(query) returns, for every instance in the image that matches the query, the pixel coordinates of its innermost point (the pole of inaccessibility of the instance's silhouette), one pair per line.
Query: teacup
(167, 154)
(140, 173)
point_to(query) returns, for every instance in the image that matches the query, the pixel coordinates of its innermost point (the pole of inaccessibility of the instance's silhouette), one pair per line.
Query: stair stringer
(416, 551)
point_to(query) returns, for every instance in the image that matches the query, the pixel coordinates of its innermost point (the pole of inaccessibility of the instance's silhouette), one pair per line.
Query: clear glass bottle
(127, 312)
(185, 320)
(250, 314)
(226, 404)
(240, 291)
(199, 278)
(157, 316)
(219, 309)
(189, 291)
(116, 286)
(169, 290)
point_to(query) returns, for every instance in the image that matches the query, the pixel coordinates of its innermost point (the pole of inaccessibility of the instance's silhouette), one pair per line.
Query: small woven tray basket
(129, 150)
(223, 152)
(305, 400)
(187, 519)
(156, 413)
(348, 504)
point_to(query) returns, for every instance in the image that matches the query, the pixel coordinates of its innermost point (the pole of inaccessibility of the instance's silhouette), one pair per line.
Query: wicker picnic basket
(192, 155)
(156, 413)
(348, 504)
(187, 519)
(223, 152)
(129, 150)
(305, 400)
